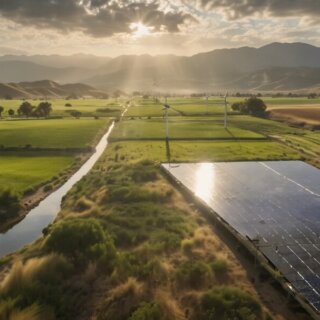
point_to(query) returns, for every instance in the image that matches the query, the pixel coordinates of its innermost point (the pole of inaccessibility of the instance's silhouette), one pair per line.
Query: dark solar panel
(276, 204)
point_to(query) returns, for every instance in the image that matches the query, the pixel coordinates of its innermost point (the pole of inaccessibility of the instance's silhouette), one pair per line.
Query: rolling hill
(46, 88)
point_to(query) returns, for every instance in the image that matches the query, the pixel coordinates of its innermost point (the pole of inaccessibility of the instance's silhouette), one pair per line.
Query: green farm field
(19, 173)
(197, 106)
(88, 107)
(54, 133)
(193, 151)
(181, 128)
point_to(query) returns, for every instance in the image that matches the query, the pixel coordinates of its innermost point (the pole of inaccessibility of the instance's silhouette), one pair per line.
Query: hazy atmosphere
(111, 27)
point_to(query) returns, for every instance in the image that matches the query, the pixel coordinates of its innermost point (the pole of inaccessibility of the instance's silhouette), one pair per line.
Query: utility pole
(225, 111)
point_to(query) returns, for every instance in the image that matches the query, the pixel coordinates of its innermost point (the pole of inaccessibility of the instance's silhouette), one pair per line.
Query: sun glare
(139, 29)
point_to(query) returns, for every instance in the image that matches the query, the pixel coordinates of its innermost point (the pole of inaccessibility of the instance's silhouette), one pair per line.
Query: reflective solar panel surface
(276, 204)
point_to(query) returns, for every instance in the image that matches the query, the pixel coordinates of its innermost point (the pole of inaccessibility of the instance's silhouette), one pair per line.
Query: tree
(25, 109)
(312, 96)
(1, 110)
(256, 106)
(43, 109)
(11, 112)
(253, 105)
(76, 114)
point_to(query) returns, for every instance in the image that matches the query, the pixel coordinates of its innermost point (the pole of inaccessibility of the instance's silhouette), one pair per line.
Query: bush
(229, 303)
(187, 245)
(9, 204)
(219, 266)
(82, 241)
(145, 171)
(193, 275)
(147, 311)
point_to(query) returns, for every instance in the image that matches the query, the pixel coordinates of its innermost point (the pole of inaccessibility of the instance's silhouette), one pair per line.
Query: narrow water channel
(30, 228)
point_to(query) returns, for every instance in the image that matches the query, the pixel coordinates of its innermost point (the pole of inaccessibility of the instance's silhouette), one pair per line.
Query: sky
(180, 27)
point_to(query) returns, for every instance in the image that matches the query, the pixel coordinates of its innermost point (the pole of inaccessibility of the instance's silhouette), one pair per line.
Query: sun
(140, 30)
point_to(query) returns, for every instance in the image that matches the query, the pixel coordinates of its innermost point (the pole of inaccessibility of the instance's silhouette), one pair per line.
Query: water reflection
(30, 228)
(205, 181)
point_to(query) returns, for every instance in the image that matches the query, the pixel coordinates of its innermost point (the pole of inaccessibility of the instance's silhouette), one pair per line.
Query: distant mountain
(279, 79)
(58, 61)
(277, 66)
(47, 88)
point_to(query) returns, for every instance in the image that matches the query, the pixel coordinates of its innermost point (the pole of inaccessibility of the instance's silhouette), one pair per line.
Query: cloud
(277, 8)
(98, 18)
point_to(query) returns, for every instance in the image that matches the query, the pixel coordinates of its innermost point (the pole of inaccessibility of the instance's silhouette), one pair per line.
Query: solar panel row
(275, 204)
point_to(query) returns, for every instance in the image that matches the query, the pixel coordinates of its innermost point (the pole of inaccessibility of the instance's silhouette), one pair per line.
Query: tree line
(26, 109)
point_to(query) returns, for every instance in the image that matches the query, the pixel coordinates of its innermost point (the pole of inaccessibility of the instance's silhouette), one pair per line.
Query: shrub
(229, 303)
(82, 241)
(144, 171)
(9, 204)
(193, 275)
(147, 311)
(187, 245)
(219, 266)
(48, 188)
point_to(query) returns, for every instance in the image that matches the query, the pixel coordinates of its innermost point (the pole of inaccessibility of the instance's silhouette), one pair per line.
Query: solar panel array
(276, 204)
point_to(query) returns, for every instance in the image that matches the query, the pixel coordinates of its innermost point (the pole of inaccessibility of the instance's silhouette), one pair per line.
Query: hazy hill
(46, 88)
(275, 66)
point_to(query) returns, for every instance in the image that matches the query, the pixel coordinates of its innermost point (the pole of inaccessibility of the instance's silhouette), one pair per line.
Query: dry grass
(171, 310)
(307, 115)
(34, 312)
(122, 300)
(20, 274)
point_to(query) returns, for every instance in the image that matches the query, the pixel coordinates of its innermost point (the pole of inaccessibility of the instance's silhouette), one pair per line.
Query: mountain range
(274, 67)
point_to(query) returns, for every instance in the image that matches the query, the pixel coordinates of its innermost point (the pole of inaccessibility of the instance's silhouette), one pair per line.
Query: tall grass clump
(193, 274)
(9, 204)
(229, 303)
(82, 241)
(122, 301)
(147, 311)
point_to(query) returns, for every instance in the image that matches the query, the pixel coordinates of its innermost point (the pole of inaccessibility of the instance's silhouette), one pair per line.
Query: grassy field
(188, 107)
(19, 173)
(88, 107)
(197, 106)
(181, 128)
(191, 151)
(54, 133)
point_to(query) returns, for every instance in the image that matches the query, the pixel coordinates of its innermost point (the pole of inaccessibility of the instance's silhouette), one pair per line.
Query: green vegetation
(180, 128)
(57, 133)
(20, 173)
(88, 107)
(9, 204)
(190, 151)
(147, 311)
(229, 303)
(82, 241)
(253, 106)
